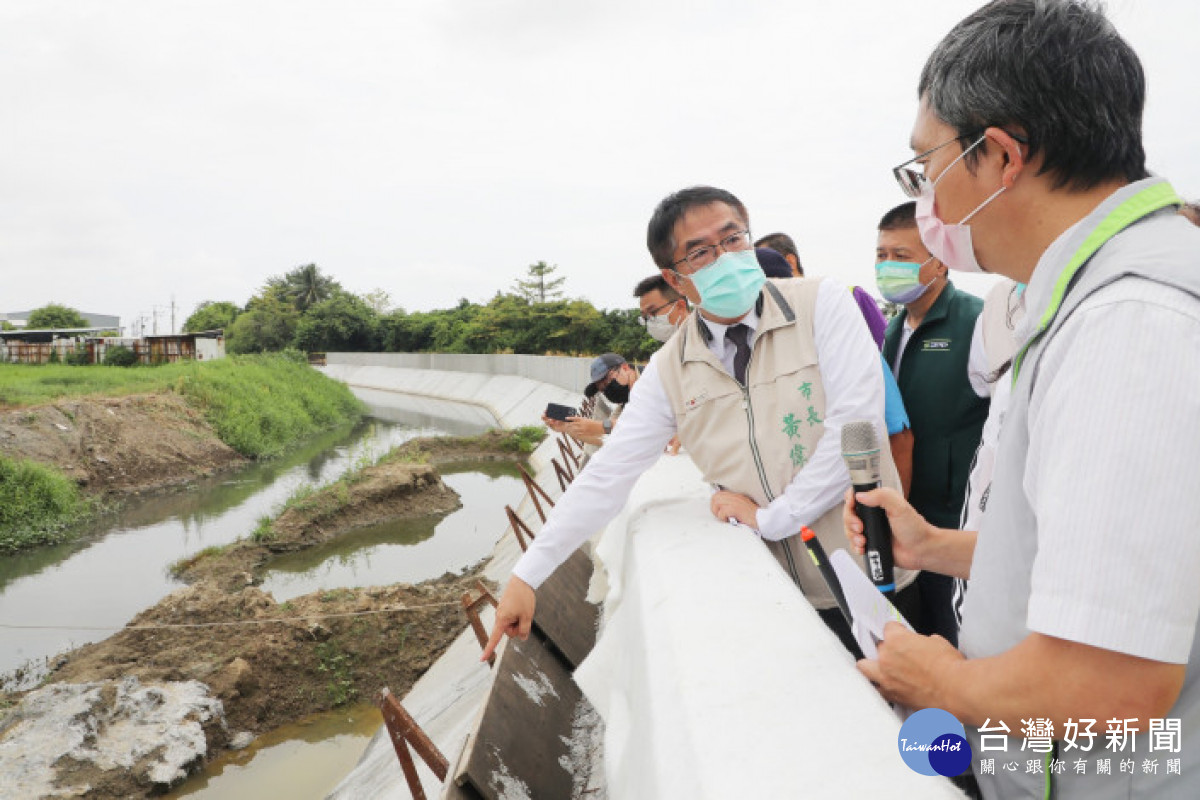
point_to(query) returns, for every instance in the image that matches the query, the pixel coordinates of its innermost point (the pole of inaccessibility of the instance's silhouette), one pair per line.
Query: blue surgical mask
(900, 281)
(730, 285)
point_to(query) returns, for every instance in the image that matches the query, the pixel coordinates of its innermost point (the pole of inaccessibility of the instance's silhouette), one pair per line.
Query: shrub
(37, 504)
(77, 357)
(118, 355)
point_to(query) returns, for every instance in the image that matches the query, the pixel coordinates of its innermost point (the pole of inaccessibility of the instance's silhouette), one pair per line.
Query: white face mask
(660, 327)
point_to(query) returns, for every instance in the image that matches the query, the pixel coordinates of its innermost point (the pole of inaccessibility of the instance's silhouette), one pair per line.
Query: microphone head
(859, 437)
(860, 451)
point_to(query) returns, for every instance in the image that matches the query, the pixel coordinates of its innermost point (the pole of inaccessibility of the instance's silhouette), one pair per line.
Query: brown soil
(310, 653)
(118, 445)
(285, 663)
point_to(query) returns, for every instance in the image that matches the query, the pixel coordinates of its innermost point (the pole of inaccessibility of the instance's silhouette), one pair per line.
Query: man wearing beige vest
(757, 382)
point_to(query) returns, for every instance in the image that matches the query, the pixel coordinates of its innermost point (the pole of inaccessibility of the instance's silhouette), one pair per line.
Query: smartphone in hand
(559, 412)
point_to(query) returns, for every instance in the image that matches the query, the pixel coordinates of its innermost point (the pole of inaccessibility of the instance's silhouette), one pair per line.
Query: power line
(232, 623)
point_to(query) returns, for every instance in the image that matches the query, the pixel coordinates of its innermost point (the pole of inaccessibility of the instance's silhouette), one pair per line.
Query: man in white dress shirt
(757, 382)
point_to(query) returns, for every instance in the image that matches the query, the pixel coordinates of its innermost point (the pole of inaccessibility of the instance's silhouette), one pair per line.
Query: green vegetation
(264, 531)
(27, 385)
(211, 315)
(118, 355)
(524, 439)
(36, 505)
(337, 663)
(182, 565)
(538, 286)
(309, 310)
(55, 316)
(260, 405)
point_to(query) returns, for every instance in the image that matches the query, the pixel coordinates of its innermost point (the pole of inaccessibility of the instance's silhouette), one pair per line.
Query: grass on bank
(37, 505)
(259, 405)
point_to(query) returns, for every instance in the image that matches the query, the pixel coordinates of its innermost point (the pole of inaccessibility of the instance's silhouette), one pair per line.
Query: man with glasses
(757, 382)
(663, 309)
(1081, 611)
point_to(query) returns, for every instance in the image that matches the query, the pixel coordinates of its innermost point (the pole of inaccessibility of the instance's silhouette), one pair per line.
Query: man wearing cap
(613, 377)
(757, 382)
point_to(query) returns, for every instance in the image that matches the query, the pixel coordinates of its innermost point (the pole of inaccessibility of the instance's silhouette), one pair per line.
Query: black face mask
(617, 392)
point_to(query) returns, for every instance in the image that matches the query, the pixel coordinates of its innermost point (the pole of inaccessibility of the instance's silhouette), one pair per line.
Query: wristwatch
(607, 425)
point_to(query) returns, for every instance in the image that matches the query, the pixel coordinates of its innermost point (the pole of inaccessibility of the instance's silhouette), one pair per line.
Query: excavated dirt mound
(118, 444)
(280, 662)
(383, 492)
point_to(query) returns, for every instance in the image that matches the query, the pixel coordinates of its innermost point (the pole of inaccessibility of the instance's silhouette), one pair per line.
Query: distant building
(104, 322)
(86, 344)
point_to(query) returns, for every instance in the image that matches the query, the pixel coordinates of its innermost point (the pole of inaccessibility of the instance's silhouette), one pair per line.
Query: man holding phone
(613, 377)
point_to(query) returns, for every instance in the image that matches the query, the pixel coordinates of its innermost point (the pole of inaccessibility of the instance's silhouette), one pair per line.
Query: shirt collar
(710, 330)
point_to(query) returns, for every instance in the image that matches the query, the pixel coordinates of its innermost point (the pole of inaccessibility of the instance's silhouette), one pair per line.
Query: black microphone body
(860, 449)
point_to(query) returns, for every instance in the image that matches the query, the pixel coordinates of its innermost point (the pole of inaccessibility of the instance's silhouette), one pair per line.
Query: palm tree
(305, 286)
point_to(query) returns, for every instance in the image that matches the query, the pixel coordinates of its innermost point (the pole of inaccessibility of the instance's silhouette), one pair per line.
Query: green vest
(947, 416)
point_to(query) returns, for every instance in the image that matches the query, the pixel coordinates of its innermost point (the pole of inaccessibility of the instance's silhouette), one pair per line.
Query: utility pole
(154, 312)
(172, 315)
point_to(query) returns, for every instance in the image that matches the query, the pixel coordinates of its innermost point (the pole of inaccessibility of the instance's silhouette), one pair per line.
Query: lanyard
(1142, 204)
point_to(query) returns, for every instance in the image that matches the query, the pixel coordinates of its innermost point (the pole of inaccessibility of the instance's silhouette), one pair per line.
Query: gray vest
(997, 597)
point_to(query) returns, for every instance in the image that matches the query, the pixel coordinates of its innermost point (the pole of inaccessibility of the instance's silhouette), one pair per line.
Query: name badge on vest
(935, 344)
(694, 402)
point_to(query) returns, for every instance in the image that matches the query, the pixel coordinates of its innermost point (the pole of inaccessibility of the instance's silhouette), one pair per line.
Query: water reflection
(303, 760)
(411, 550)
(98, 583)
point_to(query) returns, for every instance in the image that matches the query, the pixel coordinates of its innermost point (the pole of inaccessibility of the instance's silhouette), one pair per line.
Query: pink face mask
(950, 244)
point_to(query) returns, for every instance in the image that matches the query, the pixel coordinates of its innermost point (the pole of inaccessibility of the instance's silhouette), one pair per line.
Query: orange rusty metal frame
(519, 528)
(471, 606)
(405, 733)
(534, 490)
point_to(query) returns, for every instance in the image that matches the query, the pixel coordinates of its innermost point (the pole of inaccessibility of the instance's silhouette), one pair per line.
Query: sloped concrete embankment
(673, 576)
(514, 390)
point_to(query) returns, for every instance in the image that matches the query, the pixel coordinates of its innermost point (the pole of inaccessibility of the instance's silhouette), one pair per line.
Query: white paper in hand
(869, 609)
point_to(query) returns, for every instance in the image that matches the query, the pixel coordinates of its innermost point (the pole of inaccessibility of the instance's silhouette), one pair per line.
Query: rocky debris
(241, 740)
(69, 738)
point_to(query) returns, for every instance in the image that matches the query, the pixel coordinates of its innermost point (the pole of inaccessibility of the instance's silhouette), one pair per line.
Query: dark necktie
(738, 336)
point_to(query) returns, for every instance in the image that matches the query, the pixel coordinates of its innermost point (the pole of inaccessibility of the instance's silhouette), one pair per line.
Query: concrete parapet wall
(514, 400)
(564, 372)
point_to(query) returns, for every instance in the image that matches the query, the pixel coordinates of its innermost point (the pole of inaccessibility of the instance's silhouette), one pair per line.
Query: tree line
(309, 310)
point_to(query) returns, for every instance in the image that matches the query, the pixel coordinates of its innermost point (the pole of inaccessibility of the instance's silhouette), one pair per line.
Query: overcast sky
(435, 148)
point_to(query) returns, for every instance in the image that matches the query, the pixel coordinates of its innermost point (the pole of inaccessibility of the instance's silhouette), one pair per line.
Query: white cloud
(435, 149)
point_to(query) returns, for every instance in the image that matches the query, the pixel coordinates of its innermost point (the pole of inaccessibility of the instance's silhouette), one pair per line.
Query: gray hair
(1054, 70)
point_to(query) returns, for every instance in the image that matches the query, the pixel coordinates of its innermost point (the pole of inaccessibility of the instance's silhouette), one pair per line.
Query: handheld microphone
(860, 450)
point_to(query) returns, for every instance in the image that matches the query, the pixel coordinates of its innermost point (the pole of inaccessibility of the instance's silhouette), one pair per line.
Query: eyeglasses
(913, 183)
(701, 257)
(654, 312)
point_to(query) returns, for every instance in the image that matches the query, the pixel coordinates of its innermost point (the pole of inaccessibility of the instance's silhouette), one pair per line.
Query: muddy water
(81, 592)
(299, 761)
(408, 551)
